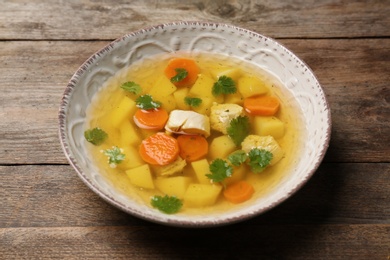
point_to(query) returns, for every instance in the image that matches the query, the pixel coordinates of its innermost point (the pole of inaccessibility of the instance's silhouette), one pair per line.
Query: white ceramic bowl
(252, 47)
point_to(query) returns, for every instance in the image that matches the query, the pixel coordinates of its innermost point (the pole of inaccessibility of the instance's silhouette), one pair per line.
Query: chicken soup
(184, 132)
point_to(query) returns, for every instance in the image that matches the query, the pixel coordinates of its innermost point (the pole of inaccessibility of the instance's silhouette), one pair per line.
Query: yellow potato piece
(179, 96)
(129, 134)
(203, 88)
(173, 186)
(268, 125)
(221, 147)
(141, 177)
(124, 110)
(251, 86)
(201, 195)
(201, 168)
(132, 158)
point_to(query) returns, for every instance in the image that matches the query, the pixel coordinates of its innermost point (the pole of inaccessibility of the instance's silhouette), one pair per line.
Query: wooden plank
(53, 196)
(355, 80)
(107, 20)
(232, 242)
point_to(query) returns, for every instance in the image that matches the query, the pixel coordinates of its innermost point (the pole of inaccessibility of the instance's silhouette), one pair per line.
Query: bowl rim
(62, 119)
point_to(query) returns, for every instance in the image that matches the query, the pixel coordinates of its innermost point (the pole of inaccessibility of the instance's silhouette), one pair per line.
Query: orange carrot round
(238, 192)
(154, 119)
(261, 105)
(159, 149)
(186, 64)
(192, 147)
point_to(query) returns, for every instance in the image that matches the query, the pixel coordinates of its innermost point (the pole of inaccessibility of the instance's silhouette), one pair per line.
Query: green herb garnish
(192, 101)
(146, 102)
(115, 156)
(180, 75)
(238, 129)
(95, 136)
(237, 157)
(224, 85)
(220, 170)
(132, 87)
(166, 204)
(259, 159)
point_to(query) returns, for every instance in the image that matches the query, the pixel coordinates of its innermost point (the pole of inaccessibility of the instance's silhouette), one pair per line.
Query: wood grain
(52, 196)
(107, 20)
(232, 242)
(356, 83)
(46, 211)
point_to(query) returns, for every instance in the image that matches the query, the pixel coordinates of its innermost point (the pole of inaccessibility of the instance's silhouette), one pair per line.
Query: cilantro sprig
(192, 101)
(259, 159)
(224, 85)
(237, 157)
(132, 87)
(146, 102)
(220, 170)
(166, 204)
(95, 136)
(238, 129)
(115, 156)
(180, 75)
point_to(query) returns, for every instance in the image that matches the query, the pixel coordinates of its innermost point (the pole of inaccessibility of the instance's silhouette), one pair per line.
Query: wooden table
(47, 212)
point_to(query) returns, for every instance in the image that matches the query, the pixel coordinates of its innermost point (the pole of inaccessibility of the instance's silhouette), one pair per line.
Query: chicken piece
(188, 122)
(222, 114)
(263, 142)
(170, 169)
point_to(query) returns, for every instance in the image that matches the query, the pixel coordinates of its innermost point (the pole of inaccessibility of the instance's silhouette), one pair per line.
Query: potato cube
(125, 110)
(205, 107)
(233, 73)
(168, 103)
(201, 195)
(162, 88)
(132, 158)
(141, 177)
(201, 168)
(203, 88)
(173, 186)
(251, 86)
(268, 125)
(235, 98)
(129, 134)
(179, 96)
(221, 147)
(239, 173)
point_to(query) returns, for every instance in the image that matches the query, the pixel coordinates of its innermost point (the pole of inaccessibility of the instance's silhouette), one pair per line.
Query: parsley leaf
(224, 85)
(95, 136)
(115, 156)
(180, 75)
(238, 157)
(238, 129)
(146, 102)
(132, 87)
(220, 170)
(193, 101)
(166, 204)
(259, 159)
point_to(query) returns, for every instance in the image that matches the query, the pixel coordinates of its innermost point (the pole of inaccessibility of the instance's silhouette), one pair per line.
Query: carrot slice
(182, 63)
(192, 147)
(261, 105)
(238, 192)
(159, 149)
(151, 119)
